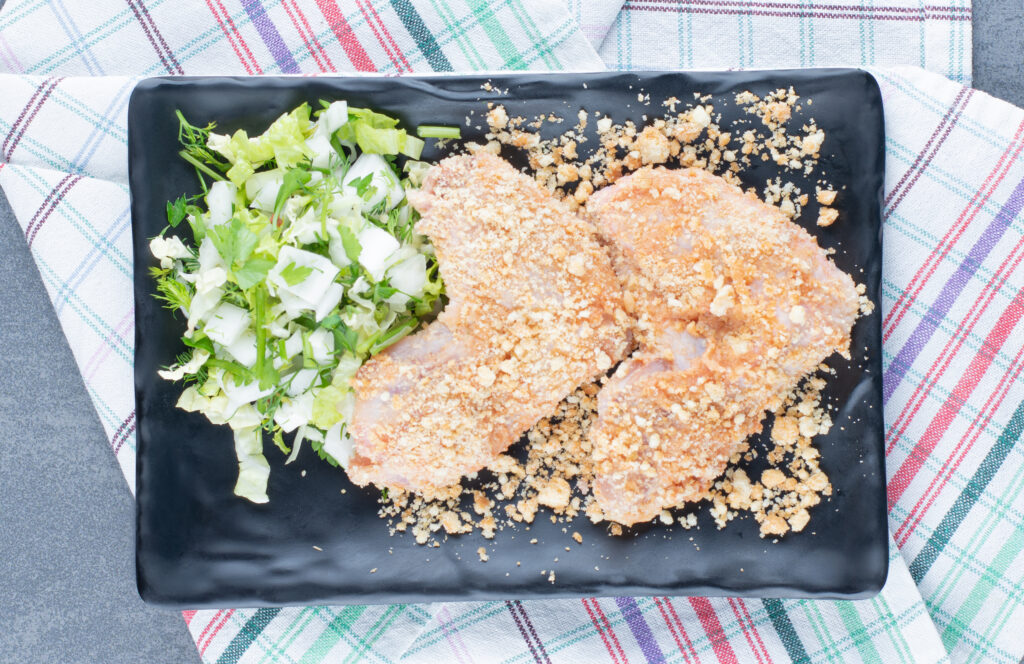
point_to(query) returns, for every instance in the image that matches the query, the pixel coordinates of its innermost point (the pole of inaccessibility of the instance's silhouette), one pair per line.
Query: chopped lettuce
(373, 140)
(253, 467)
(303, 263)
(376, 133)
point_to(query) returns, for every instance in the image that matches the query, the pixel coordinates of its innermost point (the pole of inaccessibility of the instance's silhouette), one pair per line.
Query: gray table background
(67, 577)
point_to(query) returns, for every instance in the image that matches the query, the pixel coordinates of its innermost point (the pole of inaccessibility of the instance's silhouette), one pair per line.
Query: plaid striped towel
(952, 301)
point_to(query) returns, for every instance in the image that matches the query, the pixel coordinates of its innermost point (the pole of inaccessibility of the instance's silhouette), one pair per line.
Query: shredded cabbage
(253, 467)
(303, 262)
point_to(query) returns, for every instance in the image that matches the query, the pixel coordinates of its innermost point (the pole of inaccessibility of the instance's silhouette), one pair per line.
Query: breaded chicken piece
(534, 310)
(734, 305)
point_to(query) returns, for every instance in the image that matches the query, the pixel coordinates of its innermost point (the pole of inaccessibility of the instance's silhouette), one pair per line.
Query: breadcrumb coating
(734, 305)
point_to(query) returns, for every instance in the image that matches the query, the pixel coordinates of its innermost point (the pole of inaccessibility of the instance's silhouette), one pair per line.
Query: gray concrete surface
(999, 48)
(67, 591)
(67, 554)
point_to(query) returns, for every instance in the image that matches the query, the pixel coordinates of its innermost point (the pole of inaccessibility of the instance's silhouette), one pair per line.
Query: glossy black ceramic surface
(200, 546)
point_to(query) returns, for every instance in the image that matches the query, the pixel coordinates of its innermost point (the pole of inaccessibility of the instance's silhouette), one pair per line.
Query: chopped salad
(303, 262)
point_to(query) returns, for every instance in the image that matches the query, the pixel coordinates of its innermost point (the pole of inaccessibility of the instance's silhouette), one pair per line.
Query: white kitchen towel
(952, 297)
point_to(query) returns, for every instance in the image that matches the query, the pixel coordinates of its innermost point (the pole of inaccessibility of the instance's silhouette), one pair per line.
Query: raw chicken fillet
(734, 305)
(534, 310)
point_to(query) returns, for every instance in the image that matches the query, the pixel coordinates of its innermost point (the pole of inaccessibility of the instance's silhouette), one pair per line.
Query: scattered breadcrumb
(793, 482)
(490, 87)
(689, 137)
(827, 216)
(825, 196)
(556, 475)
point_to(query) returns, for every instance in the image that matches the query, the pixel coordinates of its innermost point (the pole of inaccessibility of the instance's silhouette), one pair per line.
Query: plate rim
(136, 152)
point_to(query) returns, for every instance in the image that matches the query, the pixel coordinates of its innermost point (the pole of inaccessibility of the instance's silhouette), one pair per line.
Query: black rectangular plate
(200, 546)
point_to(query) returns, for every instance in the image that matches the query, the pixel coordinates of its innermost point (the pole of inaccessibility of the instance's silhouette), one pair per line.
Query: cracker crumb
(653, 146)
(700, 116)
(774, 524)
(554, 493)
(582, 119)
(827, 216)
(798, 521)
(772, 478)
(497, 118)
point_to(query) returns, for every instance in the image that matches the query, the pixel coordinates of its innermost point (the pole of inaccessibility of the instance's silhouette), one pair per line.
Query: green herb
(279, 442)
(331, 322)
(234, 368)
(196, 139)
(393, 335)
(198, 340)
(252, 272)
(259, 315)
(345, 337)
(350, 243)
(362, 185)
(177, 211)
(294, 180)
(318, 447)
(233, 240)
(382, 291)
(294, 274)
(174, 294)
(196, 151)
